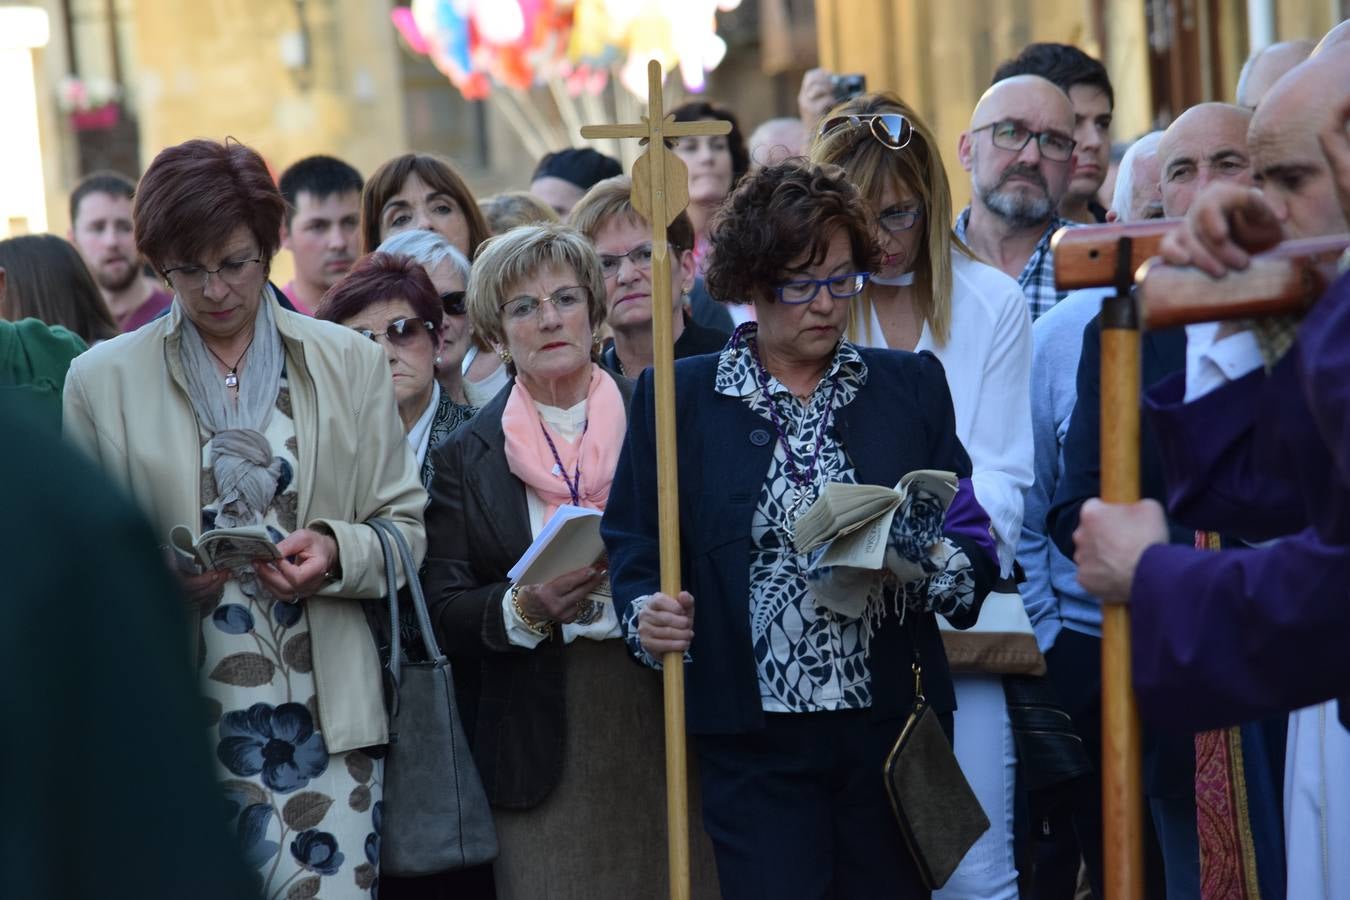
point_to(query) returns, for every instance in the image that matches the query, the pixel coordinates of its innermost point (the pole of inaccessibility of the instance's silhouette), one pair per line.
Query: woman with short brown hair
(792, 698)
(232, 411)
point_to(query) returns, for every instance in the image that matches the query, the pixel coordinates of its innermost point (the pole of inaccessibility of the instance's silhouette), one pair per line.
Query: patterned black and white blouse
(809, 659)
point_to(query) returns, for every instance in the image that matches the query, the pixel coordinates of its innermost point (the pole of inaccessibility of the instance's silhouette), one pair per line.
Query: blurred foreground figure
(97, 730)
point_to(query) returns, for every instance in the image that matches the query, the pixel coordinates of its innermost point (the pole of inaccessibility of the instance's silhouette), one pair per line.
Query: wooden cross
(660, 193)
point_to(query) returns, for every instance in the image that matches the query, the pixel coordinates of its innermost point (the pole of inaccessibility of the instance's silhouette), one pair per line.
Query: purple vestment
(1224, 638)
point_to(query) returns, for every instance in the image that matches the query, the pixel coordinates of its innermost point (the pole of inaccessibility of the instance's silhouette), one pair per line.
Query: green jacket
(34, 357)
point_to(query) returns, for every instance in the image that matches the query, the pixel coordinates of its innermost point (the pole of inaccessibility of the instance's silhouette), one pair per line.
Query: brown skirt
(601, 833)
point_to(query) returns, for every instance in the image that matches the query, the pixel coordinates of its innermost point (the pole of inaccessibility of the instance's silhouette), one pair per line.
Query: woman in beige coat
(232, 411)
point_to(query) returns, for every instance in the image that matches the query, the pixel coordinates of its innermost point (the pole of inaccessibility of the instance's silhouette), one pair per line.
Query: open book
(569, 540)
(223, 548)
(855, 519)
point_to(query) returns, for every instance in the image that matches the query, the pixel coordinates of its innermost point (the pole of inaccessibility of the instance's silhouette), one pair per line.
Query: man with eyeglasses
(1018, 151)
(1085, 80)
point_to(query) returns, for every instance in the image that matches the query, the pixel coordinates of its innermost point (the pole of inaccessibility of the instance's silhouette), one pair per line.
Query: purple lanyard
(801, 480)
(573, 483)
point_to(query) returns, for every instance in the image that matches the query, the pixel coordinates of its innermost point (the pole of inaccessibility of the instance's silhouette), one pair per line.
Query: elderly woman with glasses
(390, 300)
(795, 692)
(624, 241)
(929, 293)
(232, 411)
(560, 722)
(448, 270)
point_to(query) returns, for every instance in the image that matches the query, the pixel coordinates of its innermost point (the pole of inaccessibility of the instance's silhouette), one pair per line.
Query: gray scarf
(245, 469)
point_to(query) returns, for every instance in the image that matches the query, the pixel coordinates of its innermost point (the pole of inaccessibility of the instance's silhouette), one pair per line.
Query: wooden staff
(1285, 279)
(1122, 784)
(660, 193)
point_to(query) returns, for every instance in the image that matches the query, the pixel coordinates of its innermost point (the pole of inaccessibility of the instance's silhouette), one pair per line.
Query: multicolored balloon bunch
(480, 44)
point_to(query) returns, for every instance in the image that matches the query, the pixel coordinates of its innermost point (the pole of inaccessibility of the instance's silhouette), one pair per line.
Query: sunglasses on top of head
(399, 332)
(890, 129)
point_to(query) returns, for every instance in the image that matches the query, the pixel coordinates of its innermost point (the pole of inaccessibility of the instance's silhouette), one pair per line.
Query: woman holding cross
(792, 705)
(561, 723)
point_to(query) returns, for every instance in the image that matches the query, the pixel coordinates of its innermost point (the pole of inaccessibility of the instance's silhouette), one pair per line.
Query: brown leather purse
(939, 815)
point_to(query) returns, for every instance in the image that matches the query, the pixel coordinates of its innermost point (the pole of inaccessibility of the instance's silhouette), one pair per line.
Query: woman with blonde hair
(930, 293)
(561, 722)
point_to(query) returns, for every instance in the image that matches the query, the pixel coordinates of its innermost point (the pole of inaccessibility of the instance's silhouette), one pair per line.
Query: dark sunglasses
(454, 304)
(400, 332)
(890, 129)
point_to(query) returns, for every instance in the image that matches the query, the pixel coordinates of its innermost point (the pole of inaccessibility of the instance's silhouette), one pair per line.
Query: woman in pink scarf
(561, 722)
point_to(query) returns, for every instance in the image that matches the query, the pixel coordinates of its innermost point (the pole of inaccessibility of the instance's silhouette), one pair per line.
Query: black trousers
(798, 811)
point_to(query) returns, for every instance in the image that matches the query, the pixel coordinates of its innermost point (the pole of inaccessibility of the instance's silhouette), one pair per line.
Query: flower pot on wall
(100, 118)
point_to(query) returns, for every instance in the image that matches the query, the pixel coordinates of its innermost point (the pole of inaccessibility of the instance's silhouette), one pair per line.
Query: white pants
(1317, 804)
(984, 747)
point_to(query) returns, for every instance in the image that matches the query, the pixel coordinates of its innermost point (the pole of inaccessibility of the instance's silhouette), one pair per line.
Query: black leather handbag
(436, 814)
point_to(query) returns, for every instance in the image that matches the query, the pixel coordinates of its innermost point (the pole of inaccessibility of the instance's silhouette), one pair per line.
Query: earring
(438, 359)
(597, 342)
(504, 355)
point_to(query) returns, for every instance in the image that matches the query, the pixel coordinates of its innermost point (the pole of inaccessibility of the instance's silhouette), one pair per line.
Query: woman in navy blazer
(793, 704)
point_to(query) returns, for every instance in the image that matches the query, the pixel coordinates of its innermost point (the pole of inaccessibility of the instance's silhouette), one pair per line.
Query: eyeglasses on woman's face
(192, 279)
(640, 256)
(454, 303)
(1013, 136)
(400, 332)
(804, 290)
(894, 221)
(564, 300)
(890, 129)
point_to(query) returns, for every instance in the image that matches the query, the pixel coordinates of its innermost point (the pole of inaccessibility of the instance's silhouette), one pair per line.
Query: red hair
(195, 194)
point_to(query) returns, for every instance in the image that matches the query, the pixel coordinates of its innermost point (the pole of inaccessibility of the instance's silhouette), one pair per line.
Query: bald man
(1018, 151)
(776, 140)
(1206, 143)
(1267, 66)
(1223, 637)
(1220, 638)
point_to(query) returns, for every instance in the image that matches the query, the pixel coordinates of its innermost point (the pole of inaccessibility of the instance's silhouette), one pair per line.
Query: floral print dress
(307, 821)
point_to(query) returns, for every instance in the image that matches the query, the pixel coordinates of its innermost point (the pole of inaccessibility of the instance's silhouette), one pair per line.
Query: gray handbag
(435, 813)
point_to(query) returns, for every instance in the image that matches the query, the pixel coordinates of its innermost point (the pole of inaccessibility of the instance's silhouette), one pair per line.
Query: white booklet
(569, 540)
(223, 548)
(855, 519)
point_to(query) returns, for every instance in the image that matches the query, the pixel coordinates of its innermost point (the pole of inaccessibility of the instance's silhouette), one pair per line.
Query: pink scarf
(593, 456)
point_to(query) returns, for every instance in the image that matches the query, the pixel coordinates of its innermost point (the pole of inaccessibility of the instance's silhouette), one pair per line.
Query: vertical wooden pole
(660, 191)
(668, 485)
(1122, 787)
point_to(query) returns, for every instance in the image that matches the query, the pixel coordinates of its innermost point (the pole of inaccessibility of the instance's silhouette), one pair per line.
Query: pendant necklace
(232, 376)
(802, 482)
